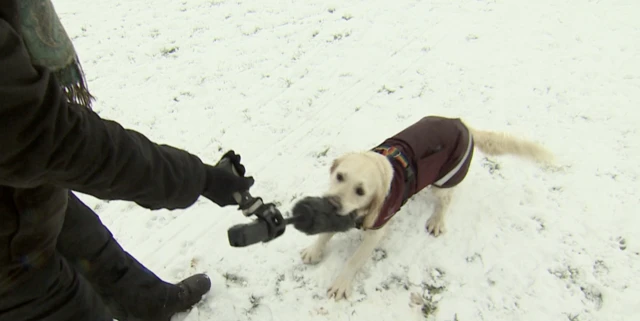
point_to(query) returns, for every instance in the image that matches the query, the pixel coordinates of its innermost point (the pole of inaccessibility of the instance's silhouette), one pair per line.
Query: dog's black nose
(335, 201)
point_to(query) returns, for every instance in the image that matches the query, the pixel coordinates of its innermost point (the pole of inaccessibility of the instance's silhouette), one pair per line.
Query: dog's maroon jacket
(433, 151)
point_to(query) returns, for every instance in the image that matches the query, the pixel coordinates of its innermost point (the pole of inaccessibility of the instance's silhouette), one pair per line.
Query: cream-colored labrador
(364, 181)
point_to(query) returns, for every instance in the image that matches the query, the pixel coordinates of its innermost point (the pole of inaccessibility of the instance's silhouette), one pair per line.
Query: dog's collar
(393, 153)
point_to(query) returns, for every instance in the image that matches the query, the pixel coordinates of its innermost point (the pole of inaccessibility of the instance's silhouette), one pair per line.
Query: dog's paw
(311, 255)
(340, 289)
(435, 225)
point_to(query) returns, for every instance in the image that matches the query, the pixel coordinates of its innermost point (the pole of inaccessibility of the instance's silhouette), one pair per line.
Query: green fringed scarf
(49, 46)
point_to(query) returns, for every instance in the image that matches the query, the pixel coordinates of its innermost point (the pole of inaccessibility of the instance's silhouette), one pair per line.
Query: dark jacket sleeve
(45, 140)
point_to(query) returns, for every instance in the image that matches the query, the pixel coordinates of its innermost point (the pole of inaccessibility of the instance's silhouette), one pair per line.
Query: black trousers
(91, 277)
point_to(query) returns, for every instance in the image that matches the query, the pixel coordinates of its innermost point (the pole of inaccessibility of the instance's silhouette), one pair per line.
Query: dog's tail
(497, 143)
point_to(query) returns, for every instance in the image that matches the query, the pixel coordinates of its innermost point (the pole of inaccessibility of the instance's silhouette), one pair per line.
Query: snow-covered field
(292, 84)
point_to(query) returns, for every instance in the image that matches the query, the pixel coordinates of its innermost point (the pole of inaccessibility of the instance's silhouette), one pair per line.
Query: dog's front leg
(341, 287)
(435, 223)
(313, 253)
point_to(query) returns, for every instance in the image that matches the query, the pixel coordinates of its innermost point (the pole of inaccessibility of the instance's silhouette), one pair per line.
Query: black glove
(235, 161)
(221, 183)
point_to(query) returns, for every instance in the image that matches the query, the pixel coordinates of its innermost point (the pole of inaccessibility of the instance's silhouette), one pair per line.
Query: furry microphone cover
(314, 215)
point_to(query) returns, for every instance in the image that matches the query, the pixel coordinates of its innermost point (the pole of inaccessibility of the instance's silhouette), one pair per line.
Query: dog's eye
(340, 177)
(360, 191)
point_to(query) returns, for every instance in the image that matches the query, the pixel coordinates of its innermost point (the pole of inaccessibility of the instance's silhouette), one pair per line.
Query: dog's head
(360, 181)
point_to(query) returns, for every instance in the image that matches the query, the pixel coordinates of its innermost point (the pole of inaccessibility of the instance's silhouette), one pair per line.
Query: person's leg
(131, 291)
(36, 282)
(55, 292)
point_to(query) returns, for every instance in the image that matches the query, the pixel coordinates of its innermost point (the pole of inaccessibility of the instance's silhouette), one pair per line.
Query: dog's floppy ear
(335, 164)
(385, 175)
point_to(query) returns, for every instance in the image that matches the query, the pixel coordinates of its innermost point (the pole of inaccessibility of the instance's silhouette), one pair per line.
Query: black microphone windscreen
(313, 215)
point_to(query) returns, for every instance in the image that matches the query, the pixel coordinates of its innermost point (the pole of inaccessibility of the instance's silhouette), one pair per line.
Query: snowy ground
(290, 85)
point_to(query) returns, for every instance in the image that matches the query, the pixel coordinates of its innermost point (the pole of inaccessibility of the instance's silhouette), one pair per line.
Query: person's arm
(44, 140)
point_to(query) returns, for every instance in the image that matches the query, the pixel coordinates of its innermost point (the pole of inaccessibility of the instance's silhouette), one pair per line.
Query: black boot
(159, 302)
(190, 292)
(179, 298)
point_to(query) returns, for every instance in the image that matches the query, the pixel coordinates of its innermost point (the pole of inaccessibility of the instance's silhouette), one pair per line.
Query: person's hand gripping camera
(270, 223)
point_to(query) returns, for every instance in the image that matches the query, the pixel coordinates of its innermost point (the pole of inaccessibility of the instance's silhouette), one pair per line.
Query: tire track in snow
(301, 64)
